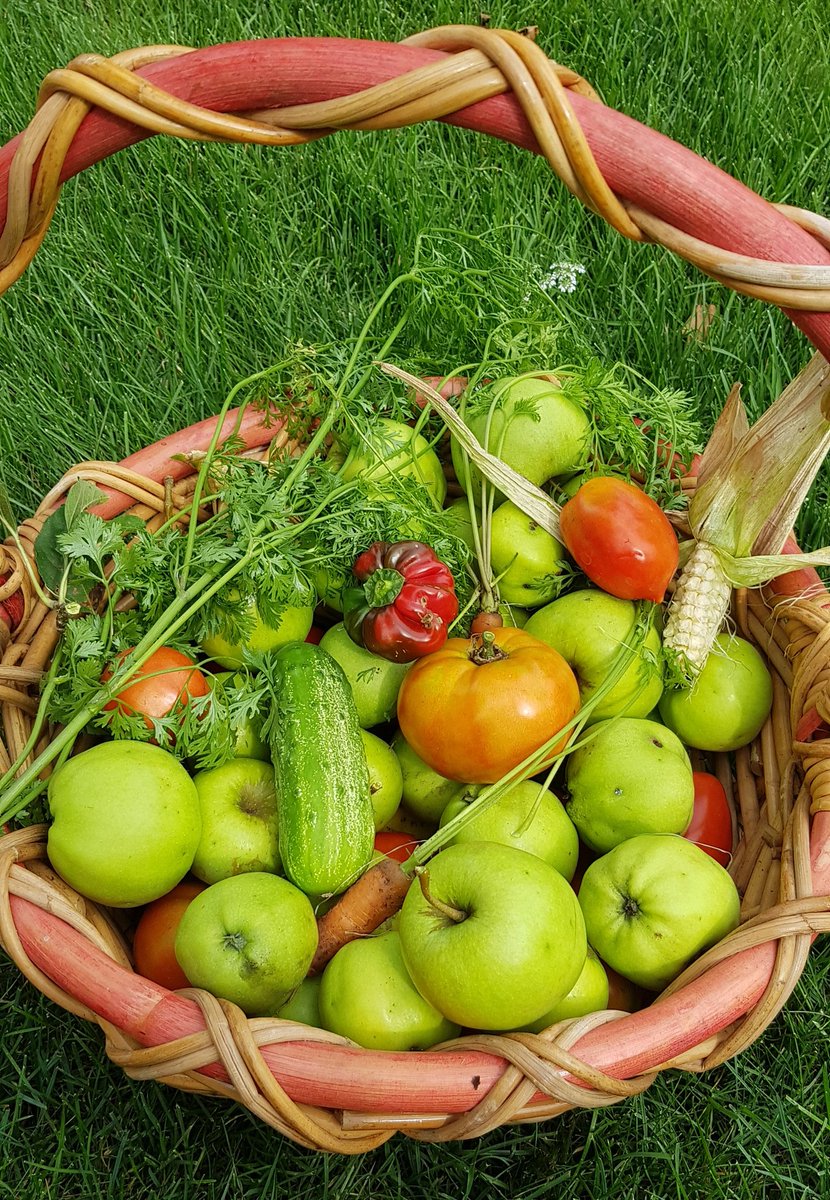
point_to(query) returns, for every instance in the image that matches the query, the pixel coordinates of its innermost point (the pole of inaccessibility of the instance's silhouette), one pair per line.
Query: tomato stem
(484, 648)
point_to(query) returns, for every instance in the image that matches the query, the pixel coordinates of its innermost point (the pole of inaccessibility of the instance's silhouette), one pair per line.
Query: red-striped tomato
(711, 824)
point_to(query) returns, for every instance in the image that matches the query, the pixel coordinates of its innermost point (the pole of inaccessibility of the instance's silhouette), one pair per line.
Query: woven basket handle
(289, 91)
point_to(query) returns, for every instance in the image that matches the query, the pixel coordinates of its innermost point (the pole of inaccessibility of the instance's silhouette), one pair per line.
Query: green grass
(172, 270)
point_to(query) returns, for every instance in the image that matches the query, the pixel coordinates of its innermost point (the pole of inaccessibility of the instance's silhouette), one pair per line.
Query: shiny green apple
(632, 777)
(125, 822)
(588, 628)
(589, 994)
(528, 817)
(524, 557)
(303, 1004)
(375, 681)
(394, 449)
(294, 624)
(238, 802)
(367, 995)
(425, 793)
(385, 778)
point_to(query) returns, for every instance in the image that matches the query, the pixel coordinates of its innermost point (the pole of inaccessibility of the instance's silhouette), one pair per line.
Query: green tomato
(729, 701)
(367, 995)
(385, 778)
(524, 557)
(293, 626)
(396, 449)
(375, 681)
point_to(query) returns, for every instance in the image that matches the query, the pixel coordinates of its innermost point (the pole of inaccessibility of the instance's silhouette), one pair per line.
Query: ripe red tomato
(155, 936)
(314, 635)
(395, 844)
(166, 681)
(477, 707)
(620, 538)
(711, 824)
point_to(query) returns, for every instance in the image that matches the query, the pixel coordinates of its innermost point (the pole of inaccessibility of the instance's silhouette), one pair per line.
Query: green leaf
(82, 495)
(48, 555)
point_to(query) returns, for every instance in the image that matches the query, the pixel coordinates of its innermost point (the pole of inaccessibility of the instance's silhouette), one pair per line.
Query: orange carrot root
(378, 894)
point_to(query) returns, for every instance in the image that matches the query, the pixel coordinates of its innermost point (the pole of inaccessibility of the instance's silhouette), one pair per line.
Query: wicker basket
(310, 1085)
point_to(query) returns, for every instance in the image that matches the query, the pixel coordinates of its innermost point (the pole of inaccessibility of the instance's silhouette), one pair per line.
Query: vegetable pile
(396, 764)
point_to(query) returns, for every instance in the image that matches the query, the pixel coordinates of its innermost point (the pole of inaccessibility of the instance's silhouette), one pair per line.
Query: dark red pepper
(406, 603)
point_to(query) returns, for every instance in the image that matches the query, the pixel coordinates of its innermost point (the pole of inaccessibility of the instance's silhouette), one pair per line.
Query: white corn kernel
(696, 613)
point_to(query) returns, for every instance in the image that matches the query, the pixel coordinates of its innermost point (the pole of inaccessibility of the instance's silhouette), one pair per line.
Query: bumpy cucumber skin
(326, 824)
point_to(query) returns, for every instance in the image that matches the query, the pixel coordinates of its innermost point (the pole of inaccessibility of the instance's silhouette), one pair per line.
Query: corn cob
(696, 613)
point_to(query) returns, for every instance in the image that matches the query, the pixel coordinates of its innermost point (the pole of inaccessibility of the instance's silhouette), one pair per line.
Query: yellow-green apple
(375, 681)
(528, 817)
(385, 778)
(249, 939)
(654, 903)
(125, 822)
(727, 705)
(589, 994)
(367, 995)
(425, 793)
(633, 776)
(533, 427)
(394, 449)
(304, 1003)
(588, 628)
(238, 801)
(493, 937)
(293, 625)
(524, 557)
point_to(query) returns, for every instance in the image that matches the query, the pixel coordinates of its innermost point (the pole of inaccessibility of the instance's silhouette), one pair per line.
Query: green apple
(588, 627)
(367, 995)
(633, 776)
(524, 557)
(729, 701)
(293, 625)
(239, 820)
(492, 937)
(125, 822)
(528, 817)
(516, 618)
(654, 903)
(375, 681)
(249, 939)
(303, 1004)
(534, 428)
(248, 742)
(425, 793)
(589, 994)
(385, 778)
(460, 521)
(329, 584)
(395, 449)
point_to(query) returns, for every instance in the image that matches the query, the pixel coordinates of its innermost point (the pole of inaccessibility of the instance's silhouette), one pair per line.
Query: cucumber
(326, 823)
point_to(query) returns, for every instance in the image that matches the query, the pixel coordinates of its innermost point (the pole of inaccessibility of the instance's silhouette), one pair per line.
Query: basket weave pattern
(776, 786)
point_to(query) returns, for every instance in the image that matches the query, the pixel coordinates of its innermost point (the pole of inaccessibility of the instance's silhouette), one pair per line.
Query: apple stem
(450, 911)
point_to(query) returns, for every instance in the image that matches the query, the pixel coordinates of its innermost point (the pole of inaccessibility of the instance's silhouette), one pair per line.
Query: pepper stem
(383, 587)
(450, 911)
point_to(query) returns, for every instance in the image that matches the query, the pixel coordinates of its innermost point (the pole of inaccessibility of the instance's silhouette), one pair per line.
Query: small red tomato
(314, 635)
(711, 824)
(155, 936)
(11, 609)
(620, 538)
(167, 680)
(395, 845)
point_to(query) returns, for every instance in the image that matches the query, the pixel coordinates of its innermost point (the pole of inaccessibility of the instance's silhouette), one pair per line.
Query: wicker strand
(481, 63)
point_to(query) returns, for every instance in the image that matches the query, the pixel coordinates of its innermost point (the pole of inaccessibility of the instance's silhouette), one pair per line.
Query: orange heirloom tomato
(477, 707)
(167, 680)
(155, 936)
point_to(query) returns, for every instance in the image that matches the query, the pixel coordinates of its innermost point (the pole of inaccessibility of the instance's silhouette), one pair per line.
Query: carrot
(378, 894)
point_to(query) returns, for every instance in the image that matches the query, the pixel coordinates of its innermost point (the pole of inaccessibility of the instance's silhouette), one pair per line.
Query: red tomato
(620, 538)
(711, 824)
(395, 845)
(314, 634)
(166, 681)
(155, 936)
(477, 707)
